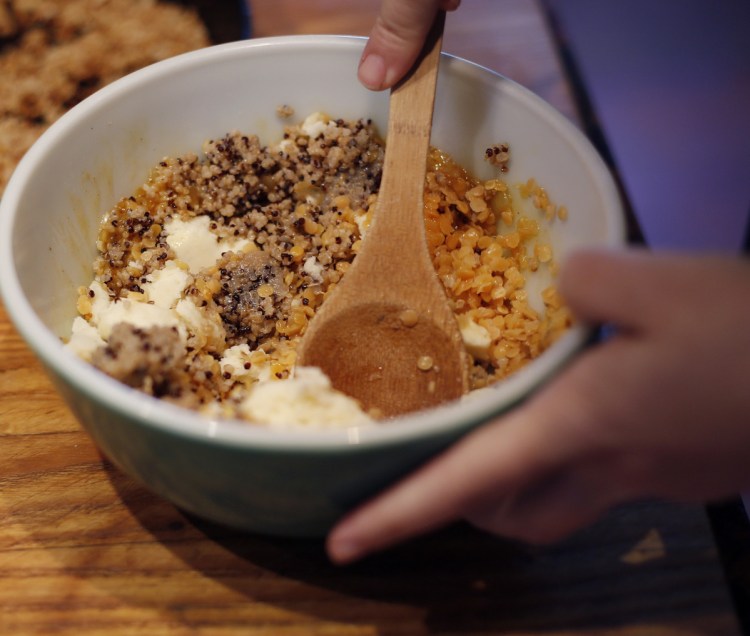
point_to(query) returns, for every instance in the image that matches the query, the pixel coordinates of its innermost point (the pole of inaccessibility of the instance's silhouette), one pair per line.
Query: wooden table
(85, 550)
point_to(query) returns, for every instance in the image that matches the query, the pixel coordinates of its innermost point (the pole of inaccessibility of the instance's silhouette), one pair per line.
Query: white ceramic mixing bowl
(281, 482)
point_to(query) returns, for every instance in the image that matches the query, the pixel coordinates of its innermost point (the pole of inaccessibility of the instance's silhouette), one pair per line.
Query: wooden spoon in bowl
(386, 335)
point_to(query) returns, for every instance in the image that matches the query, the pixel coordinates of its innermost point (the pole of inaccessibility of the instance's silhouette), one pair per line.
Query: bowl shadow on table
(639, 565)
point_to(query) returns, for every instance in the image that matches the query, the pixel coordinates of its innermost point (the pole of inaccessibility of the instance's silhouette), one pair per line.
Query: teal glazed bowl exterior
(270, 481)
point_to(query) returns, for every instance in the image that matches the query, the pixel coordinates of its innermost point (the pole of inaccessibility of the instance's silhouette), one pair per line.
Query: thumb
(396, 40)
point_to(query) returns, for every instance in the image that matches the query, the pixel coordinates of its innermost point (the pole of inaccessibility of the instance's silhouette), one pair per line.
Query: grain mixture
(53, 54)
(210, 272)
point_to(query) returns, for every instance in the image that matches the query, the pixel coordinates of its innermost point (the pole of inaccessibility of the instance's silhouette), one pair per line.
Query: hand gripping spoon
(386, 334)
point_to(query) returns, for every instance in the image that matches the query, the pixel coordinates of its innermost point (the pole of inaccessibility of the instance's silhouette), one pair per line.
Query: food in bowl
(54, 54)
(208, 274)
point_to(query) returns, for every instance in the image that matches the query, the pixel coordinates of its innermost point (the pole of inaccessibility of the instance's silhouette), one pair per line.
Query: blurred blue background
(669, 81)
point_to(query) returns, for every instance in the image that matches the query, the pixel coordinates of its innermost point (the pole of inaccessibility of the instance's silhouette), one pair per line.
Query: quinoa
(292, 216)
(54, 54)
(499, 155)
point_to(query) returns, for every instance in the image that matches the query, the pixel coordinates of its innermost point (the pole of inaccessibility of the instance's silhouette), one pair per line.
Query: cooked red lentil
(301, 207)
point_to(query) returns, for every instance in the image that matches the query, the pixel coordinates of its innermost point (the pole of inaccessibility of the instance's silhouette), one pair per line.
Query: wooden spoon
(386, 335)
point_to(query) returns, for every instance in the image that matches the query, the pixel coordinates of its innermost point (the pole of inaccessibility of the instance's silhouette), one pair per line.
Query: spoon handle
(409, 123)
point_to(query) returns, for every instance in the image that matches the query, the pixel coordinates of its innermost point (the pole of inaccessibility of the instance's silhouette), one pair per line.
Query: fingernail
(343, 551)
(372, 72)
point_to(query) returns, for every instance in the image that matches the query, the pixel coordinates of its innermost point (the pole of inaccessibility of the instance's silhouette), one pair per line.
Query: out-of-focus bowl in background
(54, 55)
(249, 477)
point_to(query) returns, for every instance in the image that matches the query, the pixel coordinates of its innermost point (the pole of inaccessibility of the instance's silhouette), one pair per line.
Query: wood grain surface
(85, 550)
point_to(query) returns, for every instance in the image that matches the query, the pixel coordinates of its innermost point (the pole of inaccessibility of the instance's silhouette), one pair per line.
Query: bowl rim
(446, 420)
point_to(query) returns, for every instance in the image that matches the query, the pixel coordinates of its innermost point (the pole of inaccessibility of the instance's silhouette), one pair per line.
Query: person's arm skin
(397, 38)
(660, 409)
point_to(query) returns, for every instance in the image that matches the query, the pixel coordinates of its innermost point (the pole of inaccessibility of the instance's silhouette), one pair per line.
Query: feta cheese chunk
(245, 365)
(477, 339)
(196, 245)
(165, 286)
(314, 269)
(306, 400)
(84, 339)
(315, 124)
(138, 314)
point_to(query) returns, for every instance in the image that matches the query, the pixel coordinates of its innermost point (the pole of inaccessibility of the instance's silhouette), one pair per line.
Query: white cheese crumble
(196, 245)
(84, 339)
(234, 359)
(105, 314)
(477, 339)
(313, 268)
(315, 124)
(305, 400)
(144, 311)
(165, 286)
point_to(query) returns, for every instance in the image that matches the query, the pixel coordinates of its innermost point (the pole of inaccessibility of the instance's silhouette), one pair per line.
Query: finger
(396, 40)
(500, 457)
(625, 287)
(549, 511)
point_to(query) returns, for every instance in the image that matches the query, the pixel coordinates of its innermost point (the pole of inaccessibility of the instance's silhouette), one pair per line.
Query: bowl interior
(103, 148)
